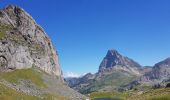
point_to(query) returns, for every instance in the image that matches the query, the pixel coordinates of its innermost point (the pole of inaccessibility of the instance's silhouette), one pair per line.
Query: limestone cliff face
(24, 44)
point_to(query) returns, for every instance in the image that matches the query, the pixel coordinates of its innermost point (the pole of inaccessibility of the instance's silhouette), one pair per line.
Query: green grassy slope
(109, 95)
(7, 93)
(23, 74)
(117, 78)
(14, 77)
(10, 94)
(114, 80)
(152, 94)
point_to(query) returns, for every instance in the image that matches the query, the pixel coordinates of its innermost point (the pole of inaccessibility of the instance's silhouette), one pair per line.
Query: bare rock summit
(115, 61)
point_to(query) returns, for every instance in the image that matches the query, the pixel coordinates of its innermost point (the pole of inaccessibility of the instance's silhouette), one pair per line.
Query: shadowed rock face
(23, 43)
(113, 60)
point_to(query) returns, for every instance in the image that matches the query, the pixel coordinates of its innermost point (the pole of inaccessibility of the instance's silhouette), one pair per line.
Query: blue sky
(83, 30)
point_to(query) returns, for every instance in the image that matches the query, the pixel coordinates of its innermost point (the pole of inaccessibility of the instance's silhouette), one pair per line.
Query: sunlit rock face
(24, 44)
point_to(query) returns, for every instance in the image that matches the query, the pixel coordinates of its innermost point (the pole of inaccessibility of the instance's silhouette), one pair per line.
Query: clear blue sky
(83, 30)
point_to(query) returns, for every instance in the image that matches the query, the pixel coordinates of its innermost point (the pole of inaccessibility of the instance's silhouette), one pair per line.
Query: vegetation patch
(119, 95)
(17, 38)
(153, 94)
(52, 97)
(120, 79)
(3, 30)
(2, 35)
(23, 74)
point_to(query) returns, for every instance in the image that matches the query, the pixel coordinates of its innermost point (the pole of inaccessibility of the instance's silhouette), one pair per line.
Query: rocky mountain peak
(114, 60)
(112, 52)
(114, 57)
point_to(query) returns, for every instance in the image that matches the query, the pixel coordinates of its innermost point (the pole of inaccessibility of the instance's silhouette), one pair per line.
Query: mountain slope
(158, 76)
(160, 73)
(29, 63)
(117, 72)
(114, 71)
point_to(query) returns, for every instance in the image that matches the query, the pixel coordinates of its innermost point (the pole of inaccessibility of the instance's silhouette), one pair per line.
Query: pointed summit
(111, 59)
(114, 60)
(112, 52)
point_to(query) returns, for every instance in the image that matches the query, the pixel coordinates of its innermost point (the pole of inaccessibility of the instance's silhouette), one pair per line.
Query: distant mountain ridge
(159, 73)
(117, 72)
(113, 69)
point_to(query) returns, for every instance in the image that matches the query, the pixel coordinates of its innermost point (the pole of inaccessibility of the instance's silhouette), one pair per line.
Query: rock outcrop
(24, 44)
